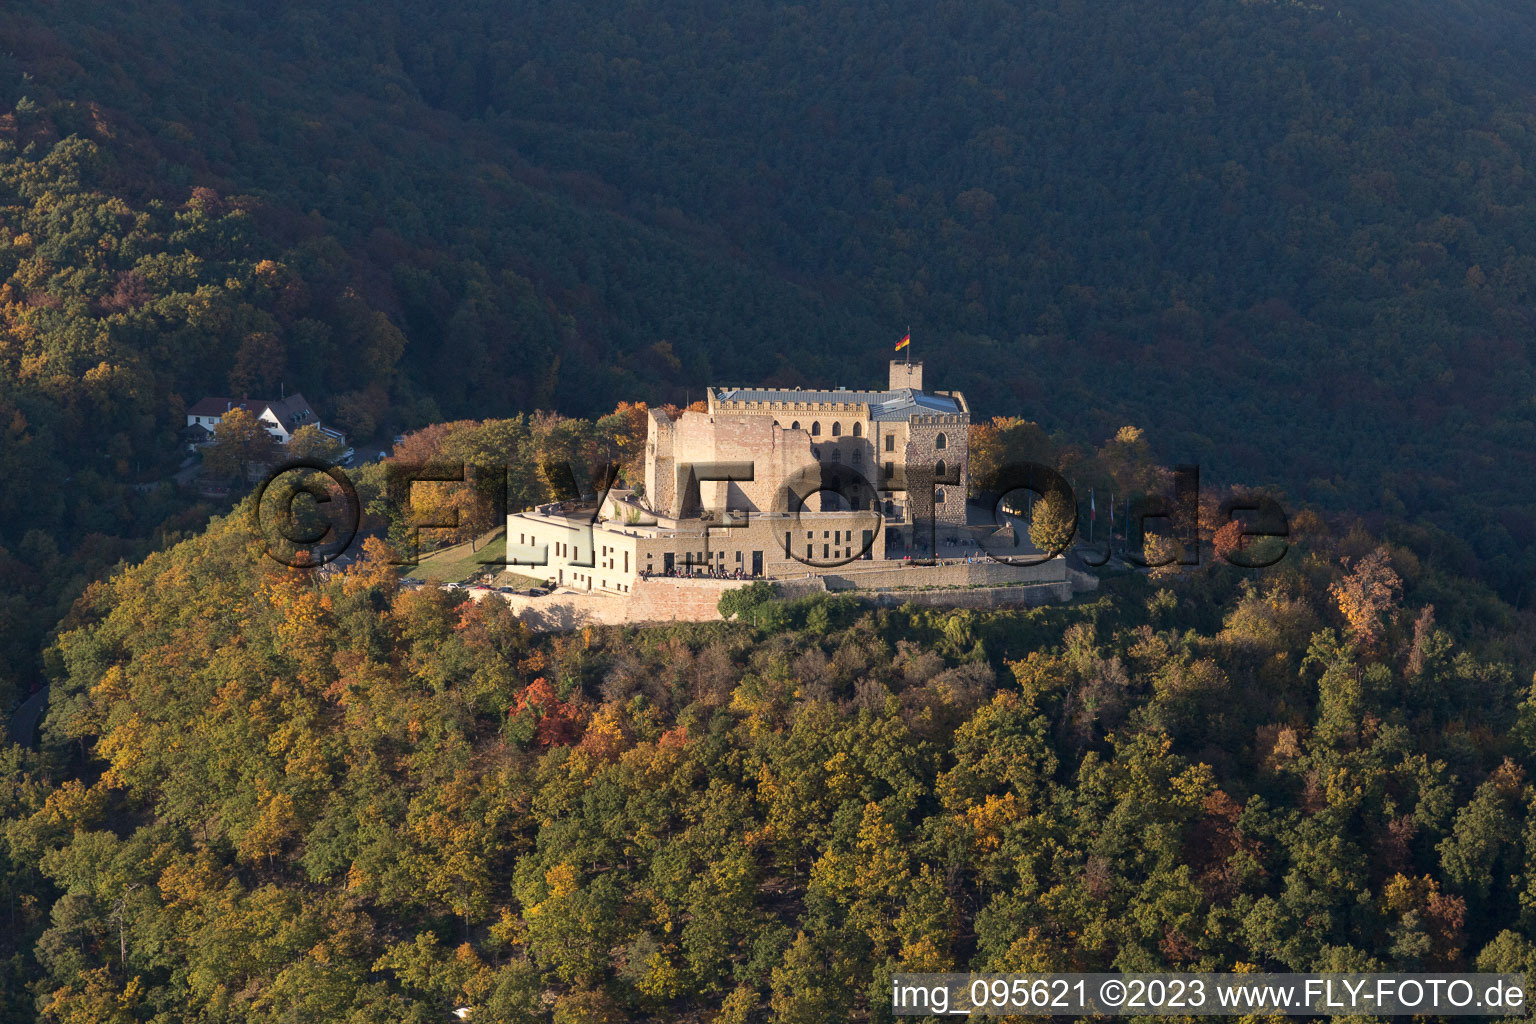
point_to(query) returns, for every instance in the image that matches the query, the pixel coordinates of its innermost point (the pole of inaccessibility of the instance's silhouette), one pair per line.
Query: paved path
(24, 722)
(188, 472)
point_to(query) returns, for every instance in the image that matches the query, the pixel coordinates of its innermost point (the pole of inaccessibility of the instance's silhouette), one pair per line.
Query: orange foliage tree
(1368, 596)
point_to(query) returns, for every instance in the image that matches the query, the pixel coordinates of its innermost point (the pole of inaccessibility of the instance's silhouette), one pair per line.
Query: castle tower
(661, 463)
(906, 375)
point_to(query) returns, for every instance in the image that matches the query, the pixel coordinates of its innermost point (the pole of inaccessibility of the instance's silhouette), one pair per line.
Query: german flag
(906, 339)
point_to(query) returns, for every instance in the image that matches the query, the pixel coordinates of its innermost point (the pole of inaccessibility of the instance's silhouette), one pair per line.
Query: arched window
(816, 429)
(938, 470)
(858, 456)
(837, 455)
(858, 430)
(837, 429)
(938, 497)
(941, 442)
(795, 425)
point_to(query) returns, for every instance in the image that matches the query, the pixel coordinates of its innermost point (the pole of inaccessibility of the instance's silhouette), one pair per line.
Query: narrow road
(24, 722)
(187, 473)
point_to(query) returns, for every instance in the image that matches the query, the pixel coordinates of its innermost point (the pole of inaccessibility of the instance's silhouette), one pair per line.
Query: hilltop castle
(783, 484)
(782, 432)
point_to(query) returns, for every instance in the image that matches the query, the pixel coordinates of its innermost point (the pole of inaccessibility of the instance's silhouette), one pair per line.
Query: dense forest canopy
(265, 795)
(1295, 242)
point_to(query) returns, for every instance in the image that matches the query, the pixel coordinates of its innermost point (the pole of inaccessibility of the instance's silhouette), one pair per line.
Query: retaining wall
(654, 600)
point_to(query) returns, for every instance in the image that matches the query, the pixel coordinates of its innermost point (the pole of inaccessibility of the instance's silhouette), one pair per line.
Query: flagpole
(909, 345)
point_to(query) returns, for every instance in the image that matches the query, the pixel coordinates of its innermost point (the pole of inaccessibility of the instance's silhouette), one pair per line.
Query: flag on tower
(904, 342)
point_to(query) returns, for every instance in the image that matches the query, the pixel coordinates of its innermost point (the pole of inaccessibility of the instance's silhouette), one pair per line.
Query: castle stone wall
(651, 601)
(659, 601)
(923, 455)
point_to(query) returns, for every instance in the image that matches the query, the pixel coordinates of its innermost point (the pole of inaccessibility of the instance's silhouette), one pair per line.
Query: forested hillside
(1292, 240)
(265, 797)
(1295, 242)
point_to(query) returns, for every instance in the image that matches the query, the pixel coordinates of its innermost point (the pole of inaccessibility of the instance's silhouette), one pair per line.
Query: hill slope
(1290, 240)
(266, 796)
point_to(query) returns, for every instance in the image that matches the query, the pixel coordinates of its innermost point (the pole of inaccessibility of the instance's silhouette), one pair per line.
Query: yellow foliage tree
(1368, 596)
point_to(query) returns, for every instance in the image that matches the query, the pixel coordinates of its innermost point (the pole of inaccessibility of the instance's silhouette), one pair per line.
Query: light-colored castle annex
(782, 484)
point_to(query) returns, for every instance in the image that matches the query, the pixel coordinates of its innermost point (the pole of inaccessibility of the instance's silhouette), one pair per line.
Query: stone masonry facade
(736, 491)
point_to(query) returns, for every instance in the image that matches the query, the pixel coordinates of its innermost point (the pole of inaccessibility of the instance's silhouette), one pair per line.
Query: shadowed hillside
(1292, 241)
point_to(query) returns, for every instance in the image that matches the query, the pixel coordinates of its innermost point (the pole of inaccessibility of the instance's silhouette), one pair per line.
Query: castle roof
(899, 404)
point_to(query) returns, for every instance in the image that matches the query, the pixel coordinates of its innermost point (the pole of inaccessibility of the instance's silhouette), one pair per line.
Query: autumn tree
(1053, 523)
(625, 430)
(259, 362)
(240, 444)
(539, 714)
(1162, 552)
(1004, 441)
(1127, 457)
(310, 442)
(1368, 596)
(1228, 540)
